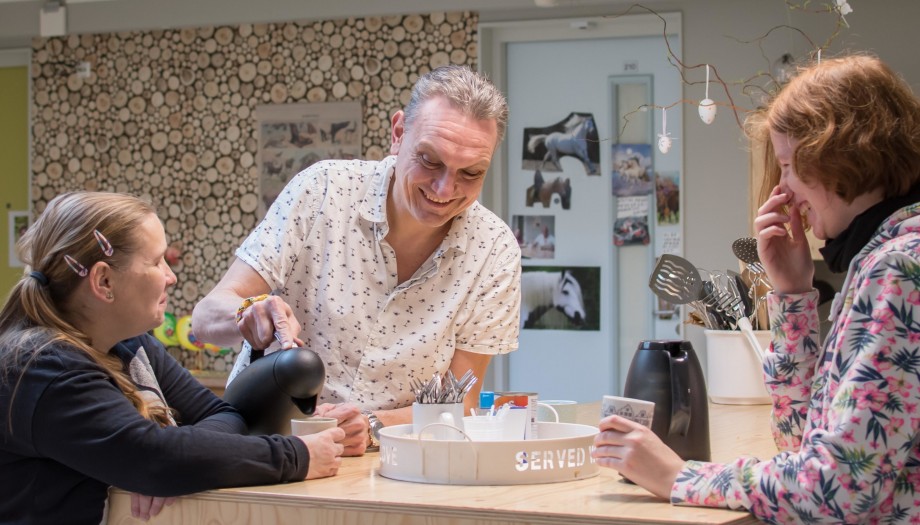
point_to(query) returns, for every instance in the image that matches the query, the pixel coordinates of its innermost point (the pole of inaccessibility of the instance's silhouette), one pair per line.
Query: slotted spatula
(675, 280)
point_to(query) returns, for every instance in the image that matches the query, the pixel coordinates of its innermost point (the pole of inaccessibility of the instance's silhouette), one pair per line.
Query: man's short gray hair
(469, 91)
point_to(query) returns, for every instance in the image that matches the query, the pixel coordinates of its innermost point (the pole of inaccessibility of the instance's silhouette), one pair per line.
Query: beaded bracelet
(247, 302)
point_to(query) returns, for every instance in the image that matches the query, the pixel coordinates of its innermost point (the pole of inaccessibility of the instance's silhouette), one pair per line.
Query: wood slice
(355, 89)
(339, 90)
(212, 218)
(174, 119)
(373, 23)
(456, 16)
(224, 36)
(298, 90)
(374, 153)
(413, 23)
(458, 56)
(439, 59)
(206, 159)
(225, 165)
(371, 65)
(88, 164)
(436, 18)
(316, 77)
(247, 72)
(324, 63)
(407, 49)
(172, 98)
(316, 94)
(247, 160)
(249, 202)
(386, 93)
(399, 79)
(189, 162)
(264, 50)
(458, 38)
(204, 188)
(201, 232)
(211, 89)
(158, 142)
(398, 34)
(187, 35)
(263, 68)
(137, 105)
(73, 165)
(74, 83)
(279, 93)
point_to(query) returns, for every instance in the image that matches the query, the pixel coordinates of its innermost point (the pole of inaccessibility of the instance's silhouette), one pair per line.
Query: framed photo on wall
(18, 224)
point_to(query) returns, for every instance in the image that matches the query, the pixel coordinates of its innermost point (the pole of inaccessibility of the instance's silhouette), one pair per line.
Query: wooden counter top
(358, 495)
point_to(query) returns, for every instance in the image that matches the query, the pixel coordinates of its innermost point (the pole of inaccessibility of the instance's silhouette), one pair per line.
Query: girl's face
(825, 211)
(142, 284)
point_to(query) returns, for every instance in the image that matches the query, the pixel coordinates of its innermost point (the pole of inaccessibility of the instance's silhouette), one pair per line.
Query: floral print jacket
(845, 414)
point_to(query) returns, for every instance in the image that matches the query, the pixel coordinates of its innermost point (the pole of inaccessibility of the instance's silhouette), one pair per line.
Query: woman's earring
(108, 295)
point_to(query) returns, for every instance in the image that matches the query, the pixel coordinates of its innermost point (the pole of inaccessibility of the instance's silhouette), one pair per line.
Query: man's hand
(352, 422)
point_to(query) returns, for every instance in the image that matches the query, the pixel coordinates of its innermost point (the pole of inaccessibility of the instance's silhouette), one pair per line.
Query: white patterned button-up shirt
(322, 248)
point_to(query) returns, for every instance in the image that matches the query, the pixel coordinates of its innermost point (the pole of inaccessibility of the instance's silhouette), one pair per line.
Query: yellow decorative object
(166, 332)
(186, 337)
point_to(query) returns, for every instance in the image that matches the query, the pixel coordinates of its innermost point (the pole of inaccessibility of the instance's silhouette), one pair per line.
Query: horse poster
(560, 298)
(667, 197)
(632, 169)
(574, 136)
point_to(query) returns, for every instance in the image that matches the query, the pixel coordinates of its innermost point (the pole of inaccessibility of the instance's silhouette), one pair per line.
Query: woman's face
(825, 211)
(140, 287)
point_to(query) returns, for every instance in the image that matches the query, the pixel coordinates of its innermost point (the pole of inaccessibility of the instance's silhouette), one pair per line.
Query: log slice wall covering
(168, 116)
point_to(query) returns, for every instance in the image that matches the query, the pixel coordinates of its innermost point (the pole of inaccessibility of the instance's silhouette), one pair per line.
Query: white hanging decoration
(664, 138)
(707, 107)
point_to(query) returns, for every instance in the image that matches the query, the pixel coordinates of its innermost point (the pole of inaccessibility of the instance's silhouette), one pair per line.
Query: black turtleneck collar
(839, 251)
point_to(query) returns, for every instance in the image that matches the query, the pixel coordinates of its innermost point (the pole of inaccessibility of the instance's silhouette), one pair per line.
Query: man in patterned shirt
(389, 270)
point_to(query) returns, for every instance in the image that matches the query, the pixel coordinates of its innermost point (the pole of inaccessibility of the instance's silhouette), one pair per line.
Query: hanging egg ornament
(707, 110)
(664, 143)
(707, 107)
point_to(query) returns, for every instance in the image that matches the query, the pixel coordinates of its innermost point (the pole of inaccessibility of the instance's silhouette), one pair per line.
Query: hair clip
(78, 268)
(104, 243)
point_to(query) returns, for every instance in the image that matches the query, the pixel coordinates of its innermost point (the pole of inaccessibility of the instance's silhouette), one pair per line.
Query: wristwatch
(373, 432)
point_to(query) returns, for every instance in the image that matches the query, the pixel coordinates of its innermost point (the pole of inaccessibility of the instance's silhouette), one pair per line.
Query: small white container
(562, 453)
(734, 374)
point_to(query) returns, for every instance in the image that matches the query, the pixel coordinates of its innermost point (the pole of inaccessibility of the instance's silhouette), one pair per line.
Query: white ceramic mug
(433, 420)
(549, 409)
(637, 410)
(302, 426)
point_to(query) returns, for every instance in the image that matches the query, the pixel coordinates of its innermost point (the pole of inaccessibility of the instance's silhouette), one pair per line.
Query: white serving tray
(563, 453)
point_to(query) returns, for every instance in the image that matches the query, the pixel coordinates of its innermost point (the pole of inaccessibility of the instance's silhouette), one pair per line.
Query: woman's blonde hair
(36, 315)
(857, 124)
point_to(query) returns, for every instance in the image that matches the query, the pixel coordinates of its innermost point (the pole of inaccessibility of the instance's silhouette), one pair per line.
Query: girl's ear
(100, 282)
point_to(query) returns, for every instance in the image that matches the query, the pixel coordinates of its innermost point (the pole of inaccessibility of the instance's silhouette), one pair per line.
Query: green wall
(14, 161)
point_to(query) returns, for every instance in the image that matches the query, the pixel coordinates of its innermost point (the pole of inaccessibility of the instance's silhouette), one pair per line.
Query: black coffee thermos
(275, 388)
(669, 374)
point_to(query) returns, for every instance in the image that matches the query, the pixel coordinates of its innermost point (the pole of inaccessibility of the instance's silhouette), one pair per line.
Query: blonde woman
(89, 400)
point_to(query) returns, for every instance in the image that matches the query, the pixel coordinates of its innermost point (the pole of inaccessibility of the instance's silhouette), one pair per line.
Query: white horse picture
(544, 291)
(577, 138)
